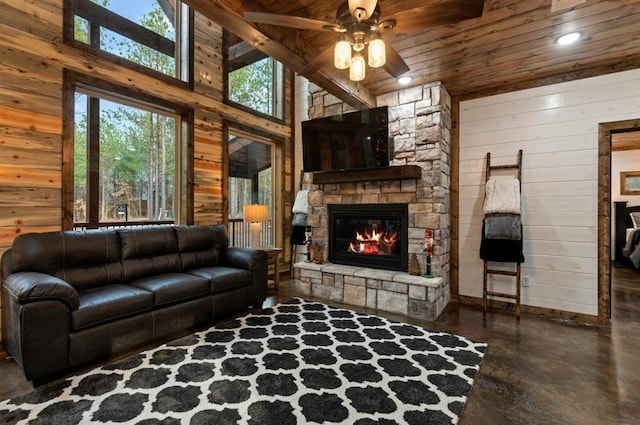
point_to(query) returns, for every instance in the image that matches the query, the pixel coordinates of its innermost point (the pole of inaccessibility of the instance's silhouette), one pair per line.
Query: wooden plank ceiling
(510, 47)
(627, 141)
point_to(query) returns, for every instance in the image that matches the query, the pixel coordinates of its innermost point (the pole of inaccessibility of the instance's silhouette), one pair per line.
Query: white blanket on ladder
(301, 204)
(502, 196)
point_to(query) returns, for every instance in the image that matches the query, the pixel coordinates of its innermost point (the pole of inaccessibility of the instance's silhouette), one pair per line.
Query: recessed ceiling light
(404, 80)
(568, 38)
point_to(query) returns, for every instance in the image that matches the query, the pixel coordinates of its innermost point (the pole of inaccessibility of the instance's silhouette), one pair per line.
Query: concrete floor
(536, 370)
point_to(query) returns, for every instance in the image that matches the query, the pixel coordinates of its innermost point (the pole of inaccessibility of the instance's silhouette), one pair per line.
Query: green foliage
(252, 86)
(143, 55)
(136, 146)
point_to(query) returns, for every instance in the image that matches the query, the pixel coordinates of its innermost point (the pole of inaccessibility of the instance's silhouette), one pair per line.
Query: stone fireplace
(369, 235)
(419, 137)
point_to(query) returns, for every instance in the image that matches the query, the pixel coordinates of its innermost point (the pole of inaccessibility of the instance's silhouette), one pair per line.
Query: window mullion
(93, 161)
(94, 34)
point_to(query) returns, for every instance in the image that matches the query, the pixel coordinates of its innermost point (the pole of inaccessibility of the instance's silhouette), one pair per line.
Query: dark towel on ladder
(502, 250)
(297, 235)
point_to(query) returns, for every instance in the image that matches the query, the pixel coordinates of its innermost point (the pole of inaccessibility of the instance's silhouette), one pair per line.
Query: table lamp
(255, 215)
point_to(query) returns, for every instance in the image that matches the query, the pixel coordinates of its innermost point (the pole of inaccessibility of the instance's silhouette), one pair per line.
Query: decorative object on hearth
(295, 363)
(414, 265)
(318, 254)
(428, 251)
(359, 26)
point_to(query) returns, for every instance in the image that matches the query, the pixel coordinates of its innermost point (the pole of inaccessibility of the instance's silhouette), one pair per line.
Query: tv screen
(355, 140)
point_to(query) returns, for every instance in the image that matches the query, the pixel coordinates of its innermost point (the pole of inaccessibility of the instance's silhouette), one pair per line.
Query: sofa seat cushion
(173, 287)
(224, 278)
(110, 302)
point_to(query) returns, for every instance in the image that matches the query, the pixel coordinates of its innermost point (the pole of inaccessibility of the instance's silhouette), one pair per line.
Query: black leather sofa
(73, 297)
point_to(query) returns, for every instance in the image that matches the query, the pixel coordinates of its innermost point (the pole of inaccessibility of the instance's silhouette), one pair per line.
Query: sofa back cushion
(148, 251)
(84, 259)
(200, 246)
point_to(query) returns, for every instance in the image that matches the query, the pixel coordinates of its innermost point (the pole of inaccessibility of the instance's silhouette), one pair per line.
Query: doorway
(605, 131)
(251, 181)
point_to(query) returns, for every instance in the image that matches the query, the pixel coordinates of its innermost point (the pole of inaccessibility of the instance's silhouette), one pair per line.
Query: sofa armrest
(254, 260)
(27, 287)
(243, 258)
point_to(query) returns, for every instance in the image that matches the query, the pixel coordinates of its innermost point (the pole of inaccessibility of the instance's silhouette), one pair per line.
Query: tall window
(153, 34)
(126, 162)
(254, 80)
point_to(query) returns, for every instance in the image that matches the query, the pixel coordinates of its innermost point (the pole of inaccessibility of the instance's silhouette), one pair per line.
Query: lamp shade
(256, 213)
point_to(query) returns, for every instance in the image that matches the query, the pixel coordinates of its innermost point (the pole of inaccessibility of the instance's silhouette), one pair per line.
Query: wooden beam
(242, 54)
(281, 44)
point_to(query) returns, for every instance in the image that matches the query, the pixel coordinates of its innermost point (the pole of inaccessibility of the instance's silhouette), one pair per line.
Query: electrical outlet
(525, 281)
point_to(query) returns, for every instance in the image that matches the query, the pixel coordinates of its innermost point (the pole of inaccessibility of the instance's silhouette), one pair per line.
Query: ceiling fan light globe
(342, 54)
(357, 69)
(377, 53)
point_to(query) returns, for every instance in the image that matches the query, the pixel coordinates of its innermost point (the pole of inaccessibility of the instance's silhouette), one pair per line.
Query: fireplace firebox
(369, 235)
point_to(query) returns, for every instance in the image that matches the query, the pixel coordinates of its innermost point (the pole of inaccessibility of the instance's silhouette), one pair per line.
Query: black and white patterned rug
(299, 362)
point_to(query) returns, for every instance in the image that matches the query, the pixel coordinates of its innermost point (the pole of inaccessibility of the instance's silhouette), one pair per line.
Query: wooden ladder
(487, 271)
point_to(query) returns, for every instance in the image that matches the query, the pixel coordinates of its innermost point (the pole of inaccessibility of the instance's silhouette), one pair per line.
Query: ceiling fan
(359, 24)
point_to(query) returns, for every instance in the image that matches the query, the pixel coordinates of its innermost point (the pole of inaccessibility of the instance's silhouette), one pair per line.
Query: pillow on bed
(635, 218)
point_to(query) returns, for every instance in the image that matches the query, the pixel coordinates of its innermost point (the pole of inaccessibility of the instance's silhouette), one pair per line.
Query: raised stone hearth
(395, 292)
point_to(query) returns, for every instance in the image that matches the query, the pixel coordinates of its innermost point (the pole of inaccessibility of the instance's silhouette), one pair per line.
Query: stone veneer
(395, 292)
(420, 134)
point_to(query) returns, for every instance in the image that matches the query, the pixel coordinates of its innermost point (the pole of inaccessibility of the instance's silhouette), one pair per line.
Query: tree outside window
(151, 33)
(254, 80)
(134, 160)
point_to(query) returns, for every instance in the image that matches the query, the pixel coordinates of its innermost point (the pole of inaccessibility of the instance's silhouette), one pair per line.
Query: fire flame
(373, 243)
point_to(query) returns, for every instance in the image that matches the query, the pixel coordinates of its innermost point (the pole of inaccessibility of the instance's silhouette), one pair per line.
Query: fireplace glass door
(369, 235)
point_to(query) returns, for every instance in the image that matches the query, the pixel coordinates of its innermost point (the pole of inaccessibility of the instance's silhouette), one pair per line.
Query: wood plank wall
(556, 126)
(32, 60)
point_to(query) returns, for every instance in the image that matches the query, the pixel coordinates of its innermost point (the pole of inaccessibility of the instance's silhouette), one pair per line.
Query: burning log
(373, 243)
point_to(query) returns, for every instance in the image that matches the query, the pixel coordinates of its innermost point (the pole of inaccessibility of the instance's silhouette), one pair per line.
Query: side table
(273, 259)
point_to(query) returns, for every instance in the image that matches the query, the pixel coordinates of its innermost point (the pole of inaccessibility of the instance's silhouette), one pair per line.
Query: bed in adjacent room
(627, 234)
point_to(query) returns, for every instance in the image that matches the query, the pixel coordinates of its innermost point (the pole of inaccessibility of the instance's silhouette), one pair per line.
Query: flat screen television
(355, 140)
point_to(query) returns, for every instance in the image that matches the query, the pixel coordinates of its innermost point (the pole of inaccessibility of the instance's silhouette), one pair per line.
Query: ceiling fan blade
(288, 21)
(395, 65)
(410, 18)
(324, 58)
(368, 5)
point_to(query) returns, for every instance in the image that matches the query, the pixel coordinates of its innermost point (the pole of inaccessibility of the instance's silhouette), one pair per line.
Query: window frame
(277, 80)
(129, 28)
(73, 81)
